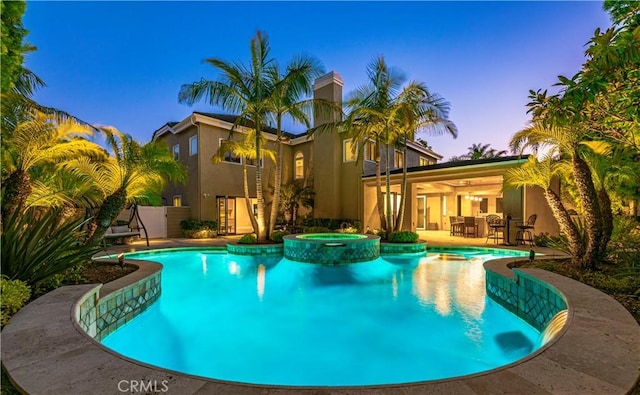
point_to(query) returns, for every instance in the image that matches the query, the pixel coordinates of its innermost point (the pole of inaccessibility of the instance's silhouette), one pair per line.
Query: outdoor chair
(525, 231)
(456, 226)
(496, 227)
(470, 227)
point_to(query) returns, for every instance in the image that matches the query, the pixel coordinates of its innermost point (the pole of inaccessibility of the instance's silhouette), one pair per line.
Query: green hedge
(277, 235)
(13, 295)
(249, 238)
(196, 229)
(403, 236)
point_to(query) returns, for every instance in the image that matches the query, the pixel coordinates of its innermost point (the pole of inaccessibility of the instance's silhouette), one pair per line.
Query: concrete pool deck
(598, 352)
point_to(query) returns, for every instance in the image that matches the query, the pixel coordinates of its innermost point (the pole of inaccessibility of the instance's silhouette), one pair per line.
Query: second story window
(177, 201)
(424, 161)
(348, 153)
(299, 165)
(398, 159)
(252, 162)
(193, 145)
(370, 151)
(229, 156)
(176, 152)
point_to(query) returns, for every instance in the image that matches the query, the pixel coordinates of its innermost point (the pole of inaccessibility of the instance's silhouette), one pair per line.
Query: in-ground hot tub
(331, 248)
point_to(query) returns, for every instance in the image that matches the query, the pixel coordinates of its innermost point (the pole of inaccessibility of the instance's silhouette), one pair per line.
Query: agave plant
(39, 243)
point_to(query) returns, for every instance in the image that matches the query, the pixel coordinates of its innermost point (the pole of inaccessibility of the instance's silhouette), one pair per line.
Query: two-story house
(326, 161)
(343, 181)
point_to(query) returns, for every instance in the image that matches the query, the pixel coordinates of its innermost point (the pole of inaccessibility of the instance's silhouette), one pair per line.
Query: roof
(245, 122)
(462, 163)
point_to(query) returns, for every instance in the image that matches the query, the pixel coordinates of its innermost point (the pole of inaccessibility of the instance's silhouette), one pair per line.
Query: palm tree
(418, 110)
(483, 151)
(541, 173)
(245, 150)
(36, 142)
(135, 173)
(246, 90)
(371, 116)
(295, 194)
(572, 144)
(289, 89)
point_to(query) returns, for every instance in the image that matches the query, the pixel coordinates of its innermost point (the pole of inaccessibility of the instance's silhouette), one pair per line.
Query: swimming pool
(274, 321)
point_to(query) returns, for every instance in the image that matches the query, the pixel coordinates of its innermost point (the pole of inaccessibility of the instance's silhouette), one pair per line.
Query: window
(176, 152)
(398, 159)
(177, 201)
(370, 151)
(229, 157)
(299, 165)
(193, 145)
(252, 162)
(349, 154)
(424, 161)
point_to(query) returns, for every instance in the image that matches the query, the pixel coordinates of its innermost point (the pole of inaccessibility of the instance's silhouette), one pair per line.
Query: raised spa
(331, 248)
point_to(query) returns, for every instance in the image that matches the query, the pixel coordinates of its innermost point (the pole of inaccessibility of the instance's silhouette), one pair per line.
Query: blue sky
(122, 63)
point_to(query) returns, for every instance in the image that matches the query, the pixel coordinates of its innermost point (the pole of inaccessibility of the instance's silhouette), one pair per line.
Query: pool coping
(45, 351)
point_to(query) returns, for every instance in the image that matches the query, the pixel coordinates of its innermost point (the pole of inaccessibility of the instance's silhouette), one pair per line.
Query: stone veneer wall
(403, 248)
(255, 250)
(327, 251)
(99, 317)
(529, 298)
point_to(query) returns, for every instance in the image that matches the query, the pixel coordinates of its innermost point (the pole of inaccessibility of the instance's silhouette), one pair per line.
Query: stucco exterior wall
(536, 203)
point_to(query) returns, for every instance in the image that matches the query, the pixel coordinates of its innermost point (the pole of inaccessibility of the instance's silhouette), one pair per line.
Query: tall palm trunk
(275, 201)
(261, 234)
(607, 221)
(591, 206)
(247, 198)
(387, 168)
(17, 190)
(380, 200)
(567, 226)
(108, 211)
(403, 196)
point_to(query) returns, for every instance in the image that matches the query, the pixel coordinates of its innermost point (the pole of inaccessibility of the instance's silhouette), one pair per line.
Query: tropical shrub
(13, 295)
(624, 247)
(545, 239)
(249, 238)
(277, 235)
(403, 236)
(70, 276)
(37, 244)
(196, 229)
(316, 229)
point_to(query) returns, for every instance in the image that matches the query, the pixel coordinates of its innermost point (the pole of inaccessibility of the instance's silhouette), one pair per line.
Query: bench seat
(119, 232)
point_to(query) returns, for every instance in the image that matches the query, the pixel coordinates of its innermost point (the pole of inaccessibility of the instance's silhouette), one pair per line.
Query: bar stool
(496, 228)
(470, 223)
(455, 226)
(524, 231)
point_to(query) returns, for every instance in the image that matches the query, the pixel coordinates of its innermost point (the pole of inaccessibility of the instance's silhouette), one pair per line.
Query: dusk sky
(122, 63)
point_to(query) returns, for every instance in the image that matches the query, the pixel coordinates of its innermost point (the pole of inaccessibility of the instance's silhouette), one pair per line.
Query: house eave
(471, 168)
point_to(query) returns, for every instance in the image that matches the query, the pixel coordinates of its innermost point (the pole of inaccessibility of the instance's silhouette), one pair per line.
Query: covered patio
(444, 194)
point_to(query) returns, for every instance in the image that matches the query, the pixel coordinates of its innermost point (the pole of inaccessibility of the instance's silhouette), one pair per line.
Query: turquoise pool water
(274, 321)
